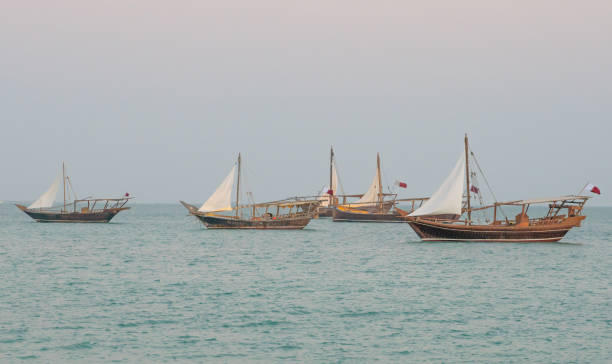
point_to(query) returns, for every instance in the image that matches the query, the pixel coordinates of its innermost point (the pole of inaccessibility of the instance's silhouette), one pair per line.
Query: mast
(64, 181)
(467, 178)
(238, 186)
(331, 173)
(380, 192)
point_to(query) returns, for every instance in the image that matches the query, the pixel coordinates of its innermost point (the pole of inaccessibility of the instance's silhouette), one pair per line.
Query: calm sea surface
(155, 286)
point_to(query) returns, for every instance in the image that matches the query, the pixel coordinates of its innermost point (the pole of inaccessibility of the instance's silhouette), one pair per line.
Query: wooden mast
(467, 178)
(331, 178)
(380, 193)
(64, 181)
(238, 187)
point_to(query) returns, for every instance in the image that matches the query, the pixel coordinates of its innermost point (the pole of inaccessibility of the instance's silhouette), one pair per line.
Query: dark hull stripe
(76, 221)
(497, 240)
(255, 227)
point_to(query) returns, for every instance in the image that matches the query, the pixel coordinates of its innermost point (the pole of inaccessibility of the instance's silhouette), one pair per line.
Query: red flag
(474, 189)
(330, 192)
(401, 184)
(592, 188)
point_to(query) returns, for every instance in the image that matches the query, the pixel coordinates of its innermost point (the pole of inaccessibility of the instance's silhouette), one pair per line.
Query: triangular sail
(48, 198)
(221, 200)
(336, 187)
(448, 198)
(371, 196)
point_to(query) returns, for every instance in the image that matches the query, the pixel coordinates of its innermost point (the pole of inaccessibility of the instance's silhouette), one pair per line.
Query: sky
(156, 98)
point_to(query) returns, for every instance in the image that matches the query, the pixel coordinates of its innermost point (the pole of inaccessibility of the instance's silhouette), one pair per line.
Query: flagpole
(380, 192)
(64, 179)
(467, 182)
(331, 178)
(238, 187)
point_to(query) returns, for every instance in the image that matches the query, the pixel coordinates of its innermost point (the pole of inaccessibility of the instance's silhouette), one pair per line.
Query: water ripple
(154, 287)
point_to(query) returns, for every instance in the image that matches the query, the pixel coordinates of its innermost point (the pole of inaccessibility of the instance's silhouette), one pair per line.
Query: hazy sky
(157, 97)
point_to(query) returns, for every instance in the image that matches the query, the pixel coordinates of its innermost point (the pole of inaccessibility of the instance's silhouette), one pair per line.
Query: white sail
(371, 196)
(48, 198)
(221, 200)
(448, 198)
(336, 187)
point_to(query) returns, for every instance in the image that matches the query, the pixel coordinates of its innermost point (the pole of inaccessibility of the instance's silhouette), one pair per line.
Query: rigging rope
(246, 186)
(486, 182)
(71, 190)
(392, 190)
(476, 183)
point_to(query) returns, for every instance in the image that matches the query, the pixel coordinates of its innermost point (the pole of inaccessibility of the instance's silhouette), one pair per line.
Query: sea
(155, 286)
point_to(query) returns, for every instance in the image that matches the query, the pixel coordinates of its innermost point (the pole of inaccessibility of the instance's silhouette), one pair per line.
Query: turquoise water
(155, 286)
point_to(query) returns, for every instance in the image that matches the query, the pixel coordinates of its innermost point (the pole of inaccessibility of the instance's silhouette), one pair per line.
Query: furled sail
(48, 198)
(371, 196)
(448, 198)
(221, 200)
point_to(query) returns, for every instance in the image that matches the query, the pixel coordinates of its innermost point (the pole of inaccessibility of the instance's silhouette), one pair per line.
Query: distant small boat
(218, 213)
(333, 194)
(439, 218)
(374, 205)
(328, 196)
(75, 211)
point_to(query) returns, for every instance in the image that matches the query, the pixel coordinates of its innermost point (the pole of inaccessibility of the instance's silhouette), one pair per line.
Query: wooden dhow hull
(324, 211)
(327, 211)
(219, 222)
(344, 215)
(429, 230)
(213, 221)
(102, 216)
